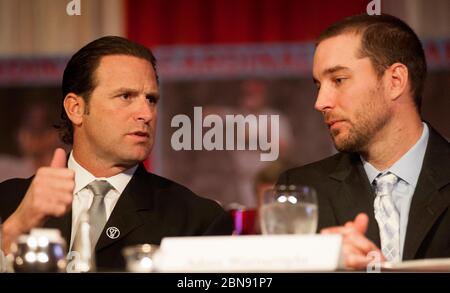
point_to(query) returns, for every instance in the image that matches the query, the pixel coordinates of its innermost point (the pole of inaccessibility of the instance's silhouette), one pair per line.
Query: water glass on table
(289, 209)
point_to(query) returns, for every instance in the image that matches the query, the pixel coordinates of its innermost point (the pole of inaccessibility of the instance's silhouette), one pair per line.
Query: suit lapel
(427, 202)
(125, 217)
(355, 194)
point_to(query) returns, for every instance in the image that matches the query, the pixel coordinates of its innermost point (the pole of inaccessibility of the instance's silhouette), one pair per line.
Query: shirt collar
(371, 171)
(83, 177)
(408, 166)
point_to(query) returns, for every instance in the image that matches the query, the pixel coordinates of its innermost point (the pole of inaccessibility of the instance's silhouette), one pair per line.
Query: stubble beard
(367, 122)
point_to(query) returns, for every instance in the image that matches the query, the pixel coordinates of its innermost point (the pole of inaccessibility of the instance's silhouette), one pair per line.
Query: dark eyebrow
(334, 69)
(331, 70)
(134, 92)
(124, 90)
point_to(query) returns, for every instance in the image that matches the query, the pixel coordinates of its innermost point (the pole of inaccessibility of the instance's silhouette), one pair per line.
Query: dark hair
(79, 73)
(385, 39)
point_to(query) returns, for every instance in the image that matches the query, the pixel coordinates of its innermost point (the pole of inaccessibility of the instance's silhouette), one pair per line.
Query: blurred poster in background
(227, 57)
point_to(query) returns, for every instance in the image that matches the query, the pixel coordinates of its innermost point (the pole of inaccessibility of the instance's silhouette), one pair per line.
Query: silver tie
(97, 211)
(387, 216)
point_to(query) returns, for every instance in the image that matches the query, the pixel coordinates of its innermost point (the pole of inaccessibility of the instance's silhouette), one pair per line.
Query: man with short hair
(387, 190)
(110, 93)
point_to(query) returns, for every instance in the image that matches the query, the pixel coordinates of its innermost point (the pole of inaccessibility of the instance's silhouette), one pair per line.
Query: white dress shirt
(83, 196)
(407, 169)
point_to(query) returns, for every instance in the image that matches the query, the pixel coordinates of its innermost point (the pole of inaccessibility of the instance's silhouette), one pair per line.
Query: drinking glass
(289, 209)
(139, 258)
(43, 250)
(244, 221)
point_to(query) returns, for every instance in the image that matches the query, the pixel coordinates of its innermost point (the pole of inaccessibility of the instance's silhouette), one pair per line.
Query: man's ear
(398, 80)
(75, 107)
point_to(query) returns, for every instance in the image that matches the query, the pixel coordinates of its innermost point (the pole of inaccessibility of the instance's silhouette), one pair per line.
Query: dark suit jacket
(344, 191)
(150, 208)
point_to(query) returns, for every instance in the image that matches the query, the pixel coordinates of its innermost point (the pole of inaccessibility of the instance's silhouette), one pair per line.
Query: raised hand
(50, 194)
(357, 249)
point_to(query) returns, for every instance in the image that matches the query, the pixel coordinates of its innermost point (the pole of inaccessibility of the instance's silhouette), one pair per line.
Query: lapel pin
(113, 232)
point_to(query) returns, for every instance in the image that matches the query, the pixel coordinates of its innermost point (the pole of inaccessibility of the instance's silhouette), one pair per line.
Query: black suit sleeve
(222, 225)
(11, 194)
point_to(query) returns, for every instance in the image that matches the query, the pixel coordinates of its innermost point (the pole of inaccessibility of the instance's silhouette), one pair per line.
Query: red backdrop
(168, 22)
(183, 22)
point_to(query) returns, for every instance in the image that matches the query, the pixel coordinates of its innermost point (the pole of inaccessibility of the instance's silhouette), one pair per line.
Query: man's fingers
(50, 193)
(52, 181)
(357, 261)
(49, 173)
(361, 222)
(337, 230)
(58, 210)
(353, 237)
(356, 247)
(361, 243)
(59, 159)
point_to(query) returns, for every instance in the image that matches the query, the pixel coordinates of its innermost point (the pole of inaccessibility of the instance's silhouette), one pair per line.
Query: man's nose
(145, 110)
(325, 100)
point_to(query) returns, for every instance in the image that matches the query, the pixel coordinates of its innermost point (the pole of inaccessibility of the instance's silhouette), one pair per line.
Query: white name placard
(256, 253)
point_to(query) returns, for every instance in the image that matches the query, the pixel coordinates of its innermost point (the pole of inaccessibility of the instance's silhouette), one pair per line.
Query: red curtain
(169, 22)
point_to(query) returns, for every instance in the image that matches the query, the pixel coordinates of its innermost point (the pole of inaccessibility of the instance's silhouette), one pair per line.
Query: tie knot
(385, 183)
(100, 187)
